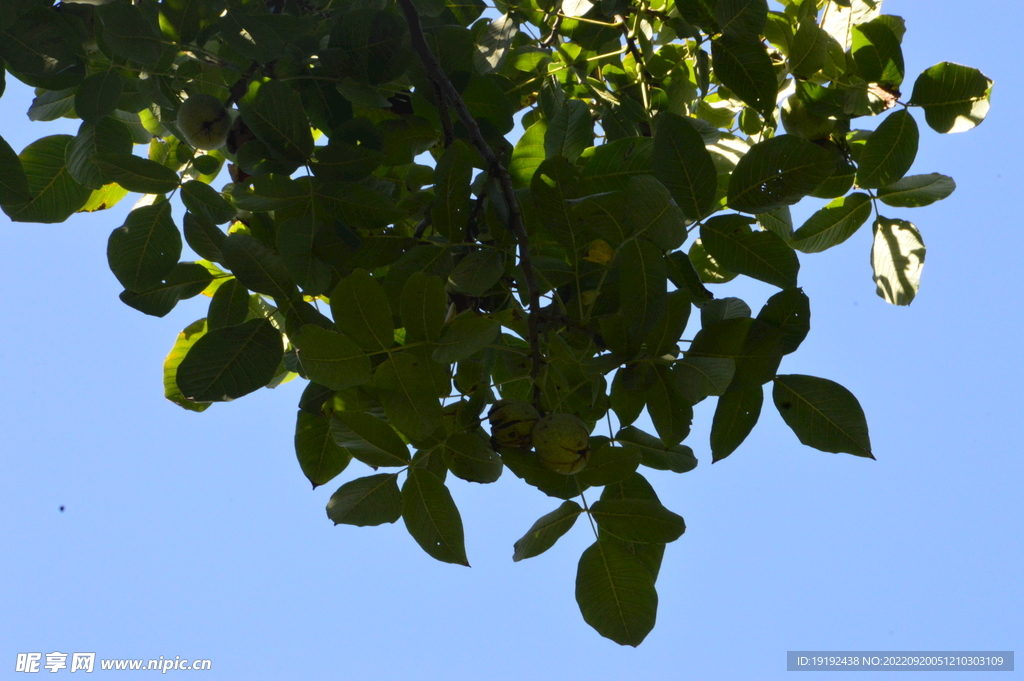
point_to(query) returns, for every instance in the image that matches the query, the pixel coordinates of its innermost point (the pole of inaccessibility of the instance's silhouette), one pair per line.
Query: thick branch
(515, 217)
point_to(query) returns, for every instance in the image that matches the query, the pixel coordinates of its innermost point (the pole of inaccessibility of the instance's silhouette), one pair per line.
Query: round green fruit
(562, 442)
(799, 121)
(203, 121)
(512, 422)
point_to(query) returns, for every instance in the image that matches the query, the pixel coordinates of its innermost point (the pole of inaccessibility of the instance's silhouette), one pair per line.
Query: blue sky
(196, 535)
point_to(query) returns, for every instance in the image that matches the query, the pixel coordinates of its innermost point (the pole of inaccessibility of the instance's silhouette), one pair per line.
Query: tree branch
(515, 217)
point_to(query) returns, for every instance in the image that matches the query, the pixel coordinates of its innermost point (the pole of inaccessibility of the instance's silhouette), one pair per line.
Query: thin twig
(494, 167)
(553, 36)
(446, 119)
(634, 50)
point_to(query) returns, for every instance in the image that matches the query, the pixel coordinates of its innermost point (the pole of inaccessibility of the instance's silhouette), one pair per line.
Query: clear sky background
(197, 535)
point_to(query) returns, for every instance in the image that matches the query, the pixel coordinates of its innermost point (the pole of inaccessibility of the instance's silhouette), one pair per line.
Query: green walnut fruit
(203, 121)
(798, 120)
(562, 442)
(512, 422)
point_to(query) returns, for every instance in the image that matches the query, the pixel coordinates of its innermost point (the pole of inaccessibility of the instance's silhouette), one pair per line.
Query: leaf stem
(440, 80)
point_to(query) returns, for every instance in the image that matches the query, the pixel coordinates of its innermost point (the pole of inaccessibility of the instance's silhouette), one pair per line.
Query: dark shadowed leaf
(406, 390)
(889, 151)
(362, 312)
(136, 174)
(320, 458)
(761, 255)
(230, 362)
(546, 531)
(914, 191)
(330, 359)
(743, 65)
(823, 414)
(368, 439)
(682, 163)
(144, 250)
(256, 266)
(54, 193)
(833, 224)
(373, 500)
(778, 172)
(735, 416)
(469, 456)
(615, 592)
(185, 280)
(432, 518)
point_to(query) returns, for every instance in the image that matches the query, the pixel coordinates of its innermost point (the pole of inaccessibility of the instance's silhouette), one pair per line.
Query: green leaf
(274, 113)
(789, 311)
(256, 266)
(478, 272)
(13, 182)
(570, 131)
(206, 202)
(526, 465)
(432, 518)
(406, 390)
(128, 33)
(362, 311)
(698, 377)
(493, 46)
(228, 363)
(203, 237)
(609, 464)
(914, 191)
(823, 414)
(136, 174)
(761, 255)
(185, 280)
(655, 453)
(743, 65)
(610, 166)
(627, 403)
(229, 305)
(144, 250)
(669, 328)
(450, 210)
(721, 309)
(422, 307)
(735, 416)
(643, 275)
(778, 172)
(470, 457)
(955, 97)
(373, 500)
(809, 52)
(55, 195)
(897, 258)
(42, 47)
(184, 342)
(638, 520)
(97, 96)
(742, 17)
(465, 336)
(52, 104)
(877, 53)
(319, 456)
(683, 164)
(548, 529)
(368, 439)
(107, 136)
(528, 154)
(833, 224)
(295, 241)
(636, 487)
(889, 151)
(670, 412)
(615, 592)
(330, 359)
